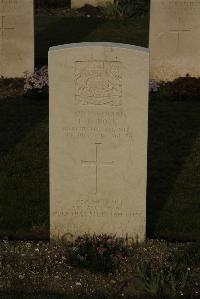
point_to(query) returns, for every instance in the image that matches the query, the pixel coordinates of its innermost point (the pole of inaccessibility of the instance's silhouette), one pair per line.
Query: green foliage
(114, 9)
(126, 8)
(100, 253)
(152, 281)
(181, 89)
(168, 281)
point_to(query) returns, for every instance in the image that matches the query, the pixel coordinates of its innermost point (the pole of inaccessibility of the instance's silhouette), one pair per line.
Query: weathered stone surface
(16, 37)
(174, 39)
(98, 139)
(80, 3)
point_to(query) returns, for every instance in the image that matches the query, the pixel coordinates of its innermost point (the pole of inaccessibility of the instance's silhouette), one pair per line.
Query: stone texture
(80, 3)
(98, 139)
(16, 37)
(174, 39)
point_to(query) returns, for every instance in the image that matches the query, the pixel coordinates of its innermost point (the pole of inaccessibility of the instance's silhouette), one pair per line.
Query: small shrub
(181, 89)
(98, 253)
(37, 83)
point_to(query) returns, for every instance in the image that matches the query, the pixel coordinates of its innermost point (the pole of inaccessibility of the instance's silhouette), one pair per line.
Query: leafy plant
(98, 253)
(176, 278)
(167, 281)
(113, 9)
(152, 281)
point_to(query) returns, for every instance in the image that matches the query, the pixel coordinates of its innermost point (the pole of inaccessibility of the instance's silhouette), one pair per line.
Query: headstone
(80, 3)
(98, 139)
(16, 37)
(174, 39)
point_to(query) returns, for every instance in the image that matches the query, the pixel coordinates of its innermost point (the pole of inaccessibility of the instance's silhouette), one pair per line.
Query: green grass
(52, 31)
(173, 155)
(24, 191)
(173, 191)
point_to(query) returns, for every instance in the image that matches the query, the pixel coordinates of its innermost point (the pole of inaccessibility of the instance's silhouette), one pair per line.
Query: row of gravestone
(174, 38)
(99, 114)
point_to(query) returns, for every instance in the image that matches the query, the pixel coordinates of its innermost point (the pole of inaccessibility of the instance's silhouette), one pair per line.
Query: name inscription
(97, 124)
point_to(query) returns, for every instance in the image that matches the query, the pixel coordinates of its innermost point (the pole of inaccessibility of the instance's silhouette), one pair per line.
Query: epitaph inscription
(98, 83)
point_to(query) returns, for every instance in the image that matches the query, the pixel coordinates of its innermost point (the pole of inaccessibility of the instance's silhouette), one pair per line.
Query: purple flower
(153, 86)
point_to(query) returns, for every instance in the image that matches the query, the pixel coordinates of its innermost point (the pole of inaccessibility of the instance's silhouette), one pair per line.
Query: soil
(29, 266)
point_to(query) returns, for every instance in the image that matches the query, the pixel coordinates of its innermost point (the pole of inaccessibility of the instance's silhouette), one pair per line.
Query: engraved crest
(98, 83)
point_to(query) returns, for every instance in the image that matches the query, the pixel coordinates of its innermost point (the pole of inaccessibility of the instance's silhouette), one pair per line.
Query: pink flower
(110, 241)
(101, 250)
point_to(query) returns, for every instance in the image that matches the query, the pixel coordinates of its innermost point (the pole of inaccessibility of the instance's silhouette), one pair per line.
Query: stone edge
(99, 44)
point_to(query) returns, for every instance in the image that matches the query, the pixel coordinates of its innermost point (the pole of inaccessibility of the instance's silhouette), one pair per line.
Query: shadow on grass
(53, 31)
(24, 191)
(173, 187)
(62, 31)
(19, 115)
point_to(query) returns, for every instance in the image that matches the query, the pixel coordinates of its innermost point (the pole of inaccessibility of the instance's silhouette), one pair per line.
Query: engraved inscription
(100, 125)
(6, 5)
(177, 5)
(98, 83)
(97, 164)
(98, 213)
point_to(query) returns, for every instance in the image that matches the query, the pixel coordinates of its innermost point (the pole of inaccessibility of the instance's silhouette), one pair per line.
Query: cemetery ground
(172, 189)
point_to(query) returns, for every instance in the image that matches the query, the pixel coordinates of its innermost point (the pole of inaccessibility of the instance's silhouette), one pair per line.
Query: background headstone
(98, 139)
(174, 39)
(16, 37)
(80, 3)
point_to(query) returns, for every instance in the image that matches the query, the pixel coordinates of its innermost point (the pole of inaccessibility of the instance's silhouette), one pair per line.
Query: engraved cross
(97, 164)
(178, 31)
(3, 28)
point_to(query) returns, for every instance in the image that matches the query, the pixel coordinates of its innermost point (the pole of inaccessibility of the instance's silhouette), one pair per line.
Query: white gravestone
(174, 39)
(98, 139)
(80, 3)
(16, 37)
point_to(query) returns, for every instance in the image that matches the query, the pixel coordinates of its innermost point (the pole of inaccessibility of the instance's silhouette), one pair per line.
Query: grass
(52, 31)
(173, 155)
